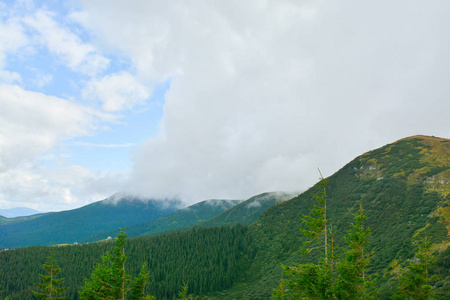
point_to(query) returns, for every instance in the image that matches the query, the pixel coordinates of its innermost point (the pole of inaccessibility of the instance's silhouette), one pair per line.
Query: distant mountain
(247, 211)
(180, 219)
(73, 225)
(18, 212)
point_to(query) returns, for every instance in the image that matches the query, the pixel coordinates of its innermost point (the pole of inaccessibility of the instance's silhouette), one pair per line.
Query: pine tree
(353, 282)
(415, 280)
(50, 286)
(312, 281)
(109, 279)
(324, 280)
(183, 294)
(138, 288)
(278, 293)
(316, 224)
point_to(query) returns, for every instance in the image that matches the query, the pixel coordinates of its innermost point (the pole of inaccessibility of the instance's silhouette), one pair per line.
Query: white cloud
(60, 40)
(263, 93)
(54, 188)
(116, 91)
(32, 123)
(32, 173)
(13, 38)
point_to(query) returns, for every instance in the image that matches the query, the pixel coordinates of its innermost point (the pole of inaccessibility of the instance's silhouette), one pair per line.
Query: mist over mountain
(180, 219)
(404, 188)
(73, 225)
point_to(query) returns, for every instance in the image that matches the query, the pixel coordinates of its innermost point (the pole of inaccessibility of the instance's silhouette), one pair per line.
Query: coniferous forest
(207, 259)
(384, 218)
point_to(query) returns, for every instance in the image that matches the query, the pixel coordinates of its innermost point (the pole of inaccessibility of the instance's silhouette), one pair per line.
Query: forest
(402, 187)
(207, 259)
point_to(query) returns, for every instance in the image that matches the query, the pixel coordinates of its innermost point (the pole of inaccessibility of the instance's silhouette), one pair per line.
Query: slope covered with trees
(207, 259)
(179, 219)
(248, 211)
(73, 225)
(404, 188)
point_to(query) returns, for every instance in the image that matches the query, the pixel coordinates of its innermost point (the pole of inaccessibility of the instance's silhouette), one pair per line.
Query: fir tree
(415, 280)
(109, 279)
(50, 286)
(316, 224)
(312, 281)
(183, 294)
(323, 280)
(352, 281)
(138, 288)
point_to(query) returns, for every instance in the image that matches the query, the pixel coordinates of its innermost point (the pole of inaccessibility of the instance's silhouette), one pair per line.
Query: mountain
(18, 212)
(247, 211)
(403, 187)
(73, 225)
(202, 214)
(182, 218)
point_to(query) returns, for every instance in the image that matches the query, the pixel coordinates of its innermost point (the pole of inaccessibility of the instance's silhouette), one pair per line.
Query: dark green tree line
(209, 259)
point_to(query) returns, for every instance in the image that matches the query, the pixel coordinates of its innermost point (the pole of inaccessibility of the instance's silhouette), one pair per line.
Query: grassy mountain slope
(182, 218)
(403, 187)
(73, 225)
(248, 211)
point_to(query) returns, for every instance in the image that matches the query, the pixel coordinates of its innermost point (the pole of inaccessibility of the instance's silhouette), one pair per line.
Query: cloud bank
(263, 93)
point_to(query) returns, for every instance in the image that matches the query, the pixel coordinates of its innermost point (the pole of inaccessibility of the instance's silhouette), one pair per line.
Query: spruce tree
(312, 281)
(415, 280)
(50, 286)
(183, 294)
(138, 288)
(327, 279)
(109, 279)
(352, 281)
(316, 224)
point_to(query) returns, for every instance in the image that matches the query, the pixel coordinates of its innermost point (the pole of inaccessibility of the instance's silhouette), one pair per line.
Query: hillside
(209, 259)
(73, 225)
(247, 211)
(180, 219)
(403, 186)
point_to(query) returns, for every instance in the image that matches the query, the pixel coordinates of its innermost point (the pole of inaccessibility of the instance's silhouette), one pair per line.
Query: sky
(205, 99)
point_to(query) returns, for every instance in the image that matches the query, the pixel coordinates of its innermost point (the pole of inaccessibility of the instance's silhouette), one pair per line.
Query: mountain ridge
(394, 184)
(72, 225)
(403, 187)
